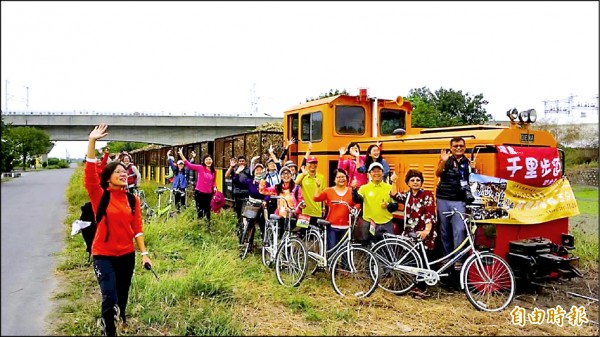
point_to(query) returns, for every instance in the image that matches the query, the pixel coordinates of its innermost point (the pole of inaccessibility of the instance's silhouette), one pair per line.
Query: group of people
(364, 181)
(134, 177)
(360, 180)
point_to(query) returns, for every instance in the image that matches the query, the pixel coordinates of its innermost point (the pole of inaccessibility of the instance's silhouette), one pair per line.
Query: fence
(583, 176)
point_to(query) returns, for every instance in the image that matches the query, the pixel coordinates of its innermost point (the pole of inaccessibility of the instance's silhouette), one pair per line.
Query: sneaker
(105, 331)
(458, 265)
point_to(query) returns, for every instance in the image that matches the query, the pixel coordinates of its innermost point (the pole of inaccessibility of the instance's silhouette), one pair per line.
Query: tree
(446, 107)
(6, 151)
(27, 142)
(329, 94)
(118, 147)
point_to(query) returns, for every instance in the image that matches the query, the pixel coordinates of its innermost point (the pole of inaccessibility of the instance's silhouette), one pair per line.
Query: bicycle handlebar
(454, 211)
(254, 200)
(162, 189)
(291, 209)
(353, 210)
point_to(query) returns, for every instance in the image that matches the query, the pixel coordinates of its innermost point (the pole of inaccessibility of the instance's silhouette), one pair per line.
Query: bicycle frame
(427, 273)
(274, 224)
(287, 221)
(158, 211)
(291, 257)
(326, 256)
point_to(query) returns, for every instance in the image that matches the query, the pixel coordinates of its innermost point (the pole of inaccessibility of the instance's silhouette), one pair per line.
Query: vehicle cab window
(349, 120)
(391, 120)
(312, 126)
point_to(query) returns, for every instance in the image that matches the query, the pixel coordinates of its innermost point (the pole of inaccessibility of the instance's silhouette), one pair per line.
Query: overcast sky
(207, 56)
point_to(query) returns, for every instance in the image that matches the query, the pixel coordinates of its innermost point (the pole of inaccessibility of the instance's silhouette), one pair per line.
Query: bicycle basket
(252, 209)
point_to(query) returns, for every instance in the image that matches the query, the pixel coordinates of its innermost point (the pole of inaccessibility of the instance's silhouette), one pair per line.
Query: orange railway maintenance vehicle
(515, 152)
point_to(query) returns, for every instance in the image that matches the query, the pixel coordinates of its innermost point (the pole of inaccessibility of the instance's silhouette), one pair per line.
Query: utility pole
(254, 102)
(27, 101)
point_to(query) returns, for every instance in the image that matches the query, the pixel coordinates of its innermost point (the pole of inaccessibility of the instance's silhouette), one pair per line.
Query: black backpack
(87, 214)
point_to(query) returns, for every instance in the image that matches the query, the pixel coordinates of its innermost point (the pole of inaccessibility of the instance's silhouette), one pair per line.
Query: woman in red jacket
(338, 215)
(112, 249)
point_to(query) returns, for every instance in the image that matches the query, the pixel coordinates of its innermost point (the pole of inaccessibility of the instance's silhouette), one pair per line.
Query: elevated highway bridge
(163, 129)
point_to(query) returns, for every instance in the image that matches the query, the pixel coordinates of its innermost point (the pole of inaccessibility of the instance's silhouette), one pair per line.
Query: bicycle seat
(323, 223)
(160, 190)
(274, 217)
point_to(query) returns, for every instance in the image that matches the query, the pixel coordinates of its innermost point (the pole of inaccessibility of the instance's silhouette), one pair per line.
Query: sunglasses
(458, 146)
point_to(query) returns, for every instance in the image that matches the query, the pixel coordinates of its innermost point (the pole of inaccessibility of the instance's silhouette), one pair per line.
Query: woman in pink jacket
(206, 184)
(352, 164)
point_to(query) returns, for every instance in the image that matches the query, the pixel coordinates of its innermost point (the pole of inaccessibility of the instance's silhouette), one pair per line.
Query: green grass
(587, 199)
(197, 270)
(205, 289)
(584, 227)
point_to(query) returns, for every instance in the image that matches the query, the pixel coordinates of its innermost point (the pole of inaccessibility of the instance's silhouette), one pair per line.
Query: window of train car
(391, 120)
(349, 120)
(293, 126)
(311, 126)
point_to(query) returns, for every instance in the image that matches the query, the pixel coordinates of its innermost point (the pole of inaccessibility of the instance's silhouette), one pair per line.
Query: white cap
(375, 164)
(285, 168)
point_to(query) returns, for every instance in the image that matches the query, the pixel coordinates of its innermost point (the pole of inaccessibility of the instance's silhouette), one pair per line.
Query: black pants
(260, 221)
(203, 204)
(114, 275)
(179, 198)
(239, 202)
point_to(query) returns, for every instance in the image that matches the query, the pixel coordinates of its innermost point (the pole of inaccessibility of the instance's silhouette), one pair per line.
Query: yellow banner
(509, 202)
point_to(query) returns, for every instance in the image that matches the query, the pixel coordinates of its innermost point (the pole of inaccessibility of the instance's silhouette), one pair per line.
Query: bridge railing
(98, 113)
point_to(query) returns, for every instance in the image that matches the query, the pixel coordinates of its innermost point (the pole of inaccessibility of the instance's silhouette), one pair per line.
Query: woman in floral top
(419, 214)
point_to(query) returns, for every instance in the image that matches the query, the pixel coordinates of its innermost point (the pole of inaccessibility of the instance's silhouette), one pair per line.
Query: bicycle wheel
(391, 254)
(314, 246)
(244, 238)
(290, 262)
(268, 248)
(489, 282)
(355, 272)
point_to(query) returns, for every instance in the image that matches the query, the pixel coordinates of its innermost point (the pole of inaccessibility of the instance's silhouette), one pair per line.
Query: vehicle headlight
(532, 116)
(512, 114)
(524, 116)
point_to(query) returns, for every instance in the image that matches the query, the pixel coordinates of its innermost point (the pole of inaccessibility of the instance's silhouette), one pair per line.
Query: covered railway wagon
(333, 122)
(153, 165)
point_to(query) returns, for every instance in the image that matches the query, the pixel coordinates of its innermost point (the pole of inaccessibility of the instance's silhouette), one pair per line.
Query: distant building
(571, 110)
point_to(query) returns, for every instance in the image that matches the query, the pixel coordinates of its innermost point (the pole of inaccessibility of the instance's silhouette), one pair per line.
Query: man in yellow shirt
(307, 182)
(375, 198)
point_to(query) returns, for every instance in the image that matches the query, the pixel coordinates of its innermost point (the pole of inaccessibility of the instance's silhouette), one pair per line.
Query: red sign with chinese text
(533, 166)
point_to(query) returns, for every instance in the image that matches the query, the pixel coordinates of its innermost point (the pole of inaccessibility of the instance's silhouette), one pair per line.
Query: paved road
(33, 230)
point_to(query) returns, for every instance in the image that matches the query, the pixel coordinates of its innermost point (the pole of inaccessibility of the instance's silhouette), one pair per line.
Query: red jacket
(122, 225)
